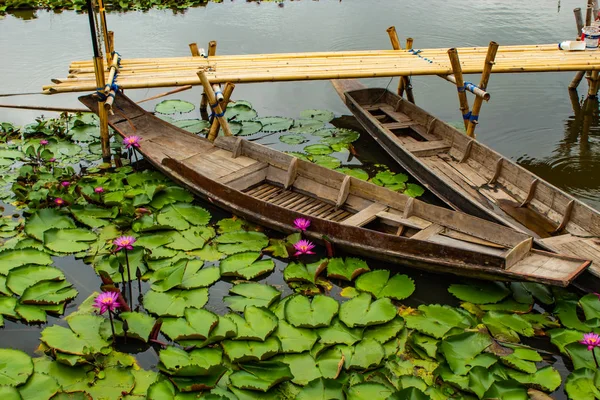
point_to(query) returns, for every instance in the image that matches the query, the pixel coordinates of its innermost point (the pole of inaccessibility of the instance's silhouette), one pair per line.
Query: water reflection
(574, 165)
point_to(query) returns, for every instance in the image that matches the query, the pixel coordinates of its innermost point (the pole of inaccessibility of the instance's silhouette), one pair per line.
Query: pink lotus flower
(597, 294)
(132, 141)
(59, 202)
(591, 340)
(52, 159)
(107, 301)
(65, 184)
(301, 223)
(99, 189)
(43, 142)
(303, 247)
(124, 242)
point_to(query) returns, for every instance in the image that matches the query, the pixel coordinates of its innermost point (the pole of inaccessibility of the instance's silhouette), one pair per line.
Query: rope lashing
(467, 115)
(470, 86)
(417, 53)
(100, 94)
(213, 113)
(461, 89)
(474, 118)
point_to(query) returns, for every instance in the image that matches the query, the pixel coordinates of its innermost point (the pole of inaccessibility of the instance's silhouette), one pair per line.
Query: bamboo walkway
(178, 71)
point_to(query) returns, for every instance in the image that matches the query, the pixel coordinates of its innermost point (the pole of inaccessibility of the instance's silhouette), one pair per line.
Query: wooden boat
(473, 178)
(272, 188)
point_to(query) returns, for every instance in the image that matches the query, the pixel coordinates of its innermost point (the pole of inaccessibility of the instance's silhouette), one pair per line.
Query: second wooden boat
(273, 188)
(473, 178)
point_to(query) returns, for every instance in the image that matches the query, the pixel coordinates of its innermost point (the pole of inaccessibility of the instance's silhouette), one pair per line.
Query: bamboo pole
(104, 28)
(214, 128)
(218, 93)
(111, 42)
(212, 48)
(578, 20)
(406, 79)
(469, 88)
(394, 38)
(194, 50)
(593, 88)
(460, 85)
(170, 92)
(44, 108)
(485, 76)
(588, 14)
(216, 107)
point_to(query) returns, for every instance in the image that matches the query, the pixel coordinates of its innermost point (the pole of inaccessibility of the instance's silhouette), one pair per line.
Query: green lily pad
(176, 361)
(330, 362)
(358, 173)
(303, 313)
(507, 327)
(347, 269)
(10, 259)
(192, 125)
(371, 391)
(224, 329)
(251, 294)
(250, 350)
(506, 390)
(180, 215)
(48, 292)
(320, 115)
(295, 340)
(413, 190)
(339, 333)
(240, 112)
(174, 302)
(301, 156)
(256, 324)
(191, 239)
(366, 354)
(261, 377)
(380, 285)
(461, 351)
(298, 272)
(293, 139)
(275, 124)
(40, 386)
(303, 367)
(386, 332)
(15, 367)
(240, 241)
(185, 274)
(174, 106)
(482, 293)
(321, 389)
(362, 311)
(341, 136)
(245, 265)
(326, 161)
(140, 325)
(580, 384)
(521, 359)
(170, 195)
(23, 277)
(546, 379)
(245, 128)
(318, 149)
(47, 218)
(68, 240)
(303, 126)
(437, 321)
(93, 216)
(81, 338)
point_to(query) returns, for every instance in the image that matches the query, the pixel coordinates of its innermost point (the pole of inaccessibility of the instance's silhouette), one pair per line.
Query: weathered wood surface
(273, 188)
(471, 177)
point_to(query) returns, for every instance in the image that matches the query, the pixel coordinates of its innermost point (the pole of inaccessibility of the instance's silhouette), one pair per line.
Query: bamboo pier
(251, 68)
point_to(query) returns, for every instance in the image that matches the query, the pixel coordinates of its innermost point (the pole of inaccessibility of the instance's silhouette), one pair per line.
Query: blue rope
(461, 89)
(474, 118)
(467, 115)
(101, 95)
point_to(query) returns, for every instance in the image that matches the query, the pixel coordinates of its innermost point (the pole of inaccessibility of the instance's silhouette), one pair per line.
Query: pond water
(530, 117)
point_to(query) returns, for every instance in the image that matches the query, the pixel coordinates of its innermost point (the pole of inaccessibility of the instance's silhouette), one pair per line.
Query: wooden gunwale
(417, 253)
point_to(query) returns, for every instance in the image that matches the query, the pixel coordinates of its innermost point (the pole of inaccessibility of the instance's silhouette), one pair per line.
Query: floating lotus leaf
(370, 391)
(362, 311)
(546, 379)
(366, 354)
(508, 305)
(275, 124)
(298, 272)
(523, 359)
(354, 172)
(541, 292)
(160, 390)
(379, 284)
(208, 253)
(507, 327)
(321, 389)
(192, 125)
(461, 351)
(562, 337)
(304, 313)
(47, 218)
(566, 310)
(39, 386)
(409, 393)
(330, 362)
(68, 240)
(83, 337)
(318, 149)
(339, 333)
(425, 343)
(293, 139)
(176, 361)
(240, 112)
(388, 178)
(320, 115)
(303, 367)
(31, 314)
(239, 241)
(224, 329)
(256, 324)
(197, 324)
(7, 306)
(152, 241)
(174, 302)
(48, 292)
(341, 136)
(261, 377)
(63, 148)
(85, 133)
(170, 195)
(245, 128)
(385, 332)
(23, 277)
(4, 290)
(347, 269)
(580, 384)
(230, 225)
(251, 294)
(191, 239)
(482, 293)
(326, 161)
(93, 216)
(580, 355)
(244, 265)
(295, 340)
(174, 106)
(15, 367)
(139, 326)
(113, 383)
(249, 350)
(506, 390)
(413, 190)
(307, 125)
(301, 156)
(184, 274)
(590, 304)
(198, 383)
(180, 215)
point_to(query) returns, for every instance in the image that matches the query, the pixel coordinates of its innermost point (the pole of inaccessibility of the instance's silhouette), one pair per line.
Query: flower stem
(112, 326)
(129, 280)
(595, 359)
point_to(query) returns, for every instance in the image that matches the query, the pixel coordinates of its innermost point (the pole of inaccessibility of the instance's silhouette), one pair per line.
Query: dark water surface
(530, 118)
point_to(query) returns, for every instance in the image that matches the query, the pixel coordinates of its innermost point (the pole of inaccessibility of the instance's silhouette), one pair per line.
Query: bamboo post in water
(216, 107)
(460, 85)
(214, 128)
(394, 38)
(194, 50)
(212, 48)
(593, 84)
(589, 11)
(111, 42)
(407, 84)
(578, 20)
(485, 76)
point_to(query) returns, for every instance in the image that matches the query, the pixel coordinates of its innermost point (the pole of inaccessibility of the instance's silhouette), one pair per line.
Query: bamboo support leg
(460, 85)
(485, 76)
(214, 128)
(194, 50)
(216, 107)
(102, 113)
(407, 84)
(104, 28)
(576, 80)
(593, 89)
(578, 21)
(589, 11)
(212, 48)
(111, 43)
(391, 31)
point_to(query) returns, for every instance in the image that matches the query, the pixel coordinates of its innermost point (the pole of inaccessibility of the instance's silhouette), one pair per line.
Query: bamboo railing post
(214, 128)
(589, 11)
(460, 85)
(216, 107)
(194, 50)
(394, 38)
(111, 43)
(104, 27)
(578, 20)
(212, 48)
(406, 79)
(485, 76)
